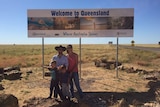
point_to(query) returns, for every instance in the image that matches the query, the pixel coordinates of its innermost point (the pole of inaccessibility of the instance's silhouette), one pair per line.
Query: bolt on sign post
(72, 23)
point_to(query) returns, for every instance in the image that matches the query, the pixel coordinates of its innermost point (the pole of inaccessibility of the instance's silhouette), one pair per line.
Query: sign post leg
(117, 60)
(43, 55)
(80, 56)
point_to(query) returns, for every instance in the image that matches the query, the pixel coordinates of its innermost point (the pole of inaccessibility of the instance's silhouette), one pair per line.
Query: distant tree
(159, 42)
(110, 42)
(132, 43)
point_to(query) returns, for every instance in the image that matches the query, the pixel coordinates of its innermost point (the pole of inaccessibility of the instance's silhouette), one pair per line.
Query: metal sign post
(80, 56)
(43, 55)
(117, 59)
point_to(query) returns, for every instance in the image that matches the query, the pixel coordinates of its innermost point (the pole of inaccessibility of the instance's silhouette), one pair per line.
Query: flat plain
(93, 79)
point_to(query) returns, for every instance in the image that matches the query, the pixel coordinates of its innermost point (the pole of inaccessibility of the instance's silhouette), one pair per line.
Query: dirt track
(152, 49)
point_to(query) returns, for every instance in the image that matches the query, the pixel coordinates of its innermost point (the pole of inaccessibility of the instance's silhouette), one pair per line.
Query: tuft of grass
(27, 76)
(130, 89)
(25, 91)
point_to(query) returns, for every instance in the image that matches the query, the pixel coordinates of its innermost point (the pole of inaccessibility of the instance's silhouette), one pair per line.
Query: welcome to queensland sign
(81, 22)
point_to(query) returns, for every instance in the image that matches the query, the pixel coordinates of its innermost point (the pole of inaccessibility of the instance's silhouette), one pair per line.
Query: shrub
(131, 89)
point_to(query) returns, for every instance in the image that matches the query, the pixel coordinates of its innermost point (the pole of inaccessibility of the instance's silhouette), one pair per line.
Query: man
(73, 69)
(61, 60)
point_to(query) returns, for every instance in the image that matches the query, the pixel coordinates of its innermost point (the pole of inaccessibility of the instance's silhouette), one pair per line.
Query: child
(53, 70)
(54, 84)
(64, 81)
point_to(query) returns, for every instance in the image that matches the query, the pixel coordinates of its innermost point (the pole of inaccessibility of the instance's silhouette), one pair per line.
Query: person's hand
(59, 67)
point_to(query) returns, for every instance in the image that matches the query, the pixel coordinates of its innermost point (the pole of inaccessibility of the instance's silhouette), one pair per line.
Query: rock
(153, 84)
(104, 60)
(12, 75)
(137, 103)
(47, 74)
(131, 70)
(29, 72)
(97, 63)
(112, 66)
(121, 67)
(106, 64)
(1, 77)
(150, 77)
(8, 100)
(16, 68)
(150, 104)
(157, 95)
(1, 70)
(1, 87)
(8, 69)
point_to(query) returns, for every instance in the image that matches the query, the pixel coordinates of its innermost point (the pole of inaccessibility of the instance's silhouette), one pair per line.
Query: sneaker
(49, 97)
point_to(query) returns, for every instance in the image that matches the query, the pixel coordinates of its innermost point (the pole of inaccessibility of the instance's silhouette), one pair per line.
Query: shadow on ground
(101, 99)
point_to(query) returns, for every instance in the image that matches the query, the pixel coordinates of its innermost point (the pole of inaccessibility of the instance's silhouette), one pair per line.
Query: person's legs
(77, 84)
(72, 88)
(55, 92)
(58, 91)
(68, 93)
(65, 91)
(51, 88)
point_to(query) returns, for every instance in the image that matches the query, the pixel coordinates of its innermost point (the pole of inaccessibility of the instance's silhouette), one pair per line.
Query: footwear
(49, 97)
(58, 100)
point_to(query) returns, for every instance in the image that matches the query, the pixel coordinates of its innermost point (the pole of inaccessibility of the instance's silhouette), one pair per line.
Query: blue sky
(13, 20)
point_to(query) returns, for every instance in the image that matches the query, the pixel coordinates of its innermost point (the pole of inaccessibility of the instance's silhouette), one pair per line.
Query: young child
(53, 70)
(54, 84)
(64, 81)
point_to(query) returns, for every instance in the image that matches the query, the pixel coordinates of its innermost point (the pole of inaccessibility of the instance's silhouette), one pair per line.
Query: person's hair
(53, 62)
(69, 46)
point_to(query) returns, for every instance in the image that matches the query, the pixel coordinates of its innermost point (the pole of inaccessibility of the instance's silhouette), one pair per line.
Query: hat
(60, 46)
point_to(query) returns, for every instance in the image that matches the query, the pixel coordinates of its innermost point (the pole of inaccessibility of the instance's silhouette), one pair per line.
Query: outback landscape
(136, 84)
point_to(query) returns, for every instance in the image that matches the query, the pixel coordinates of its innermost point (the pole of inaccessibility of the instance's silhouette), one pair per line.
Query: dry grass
(146, 45)
(93, 79)
(31, 55)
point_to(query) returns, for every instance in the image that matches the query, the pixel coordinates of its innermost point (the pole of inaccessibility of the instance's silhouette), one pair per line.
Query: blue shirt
(53, 74)
(63, 60)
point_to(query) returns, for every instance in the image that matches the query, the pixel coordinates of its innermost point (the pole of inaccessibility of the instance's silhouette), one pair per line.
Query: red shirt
(73, 62)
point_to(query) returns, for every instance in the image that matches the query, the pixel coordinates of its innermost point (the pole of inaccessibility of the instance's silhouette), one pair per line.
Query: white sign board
(81, 22)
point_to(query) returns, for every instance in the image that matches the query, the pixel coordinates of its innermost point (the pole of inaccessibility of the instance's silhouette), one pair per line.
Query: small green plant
(106, 88)
(25, 92)
(27, 76)
(130, 89)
